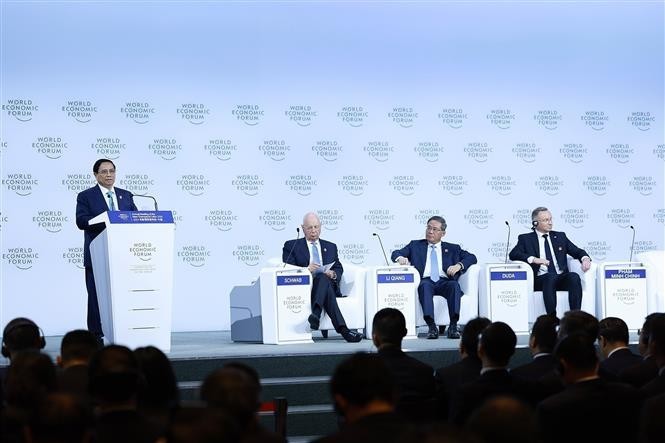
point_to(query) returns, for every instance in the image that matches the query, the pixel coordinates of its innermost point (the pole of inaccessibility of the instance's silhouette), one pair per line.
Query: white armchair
(468, 305)
(537, 304)
(654, 261)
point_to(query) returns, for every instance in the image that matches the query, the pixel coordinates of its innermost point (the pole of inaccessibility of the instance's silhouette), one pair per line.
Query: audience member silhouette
(613, 343)
(657, 349)
(76, 350)
(60, 418)
(504, 420)
(640, 374)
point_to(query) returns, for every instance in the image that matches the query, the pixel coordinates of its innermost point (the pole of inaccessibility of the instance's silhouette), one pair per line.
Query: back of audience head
(388, 327)
(159, 387)
(21, 334)
(497, 344)
(362, 383)
(76, 348)
(657, 339)
(577, 356)
(59, 418)
(544, 334)
(30, 377)
(612, 333)
(574, 322)
(645, 333)
(114, 377)
(202, 425)
(234, 389)
(504, 419)
(471, 334)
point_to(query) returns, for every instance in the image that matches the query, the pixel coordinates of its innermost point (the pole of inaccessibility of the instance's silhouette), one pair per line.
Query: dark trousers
(449, 289)
(94, 322)
(324, 297)
(566, 281)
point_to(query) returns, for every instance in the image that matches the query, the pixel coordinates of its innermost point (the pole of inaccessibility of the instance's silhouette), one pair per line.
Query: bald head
(311, 226)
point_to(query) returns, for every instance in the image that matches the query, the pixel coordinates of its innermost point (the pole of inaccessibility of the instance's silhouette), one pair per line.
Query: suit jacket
(375, 428)
(296, 252)
(416, 251)
(593, 410)
(640, 374)
(619, 360)
(536, 368)
(527, 246)
(89, 204)
(450, 378)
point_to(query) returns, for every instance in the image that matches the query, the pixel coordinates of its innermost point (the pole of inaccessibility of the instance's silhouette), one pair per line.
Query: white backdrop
(241, 116)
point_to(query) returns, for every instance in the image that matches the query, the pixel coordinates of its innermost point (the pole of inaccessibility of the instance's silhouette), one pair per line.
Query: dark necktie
(548, 255)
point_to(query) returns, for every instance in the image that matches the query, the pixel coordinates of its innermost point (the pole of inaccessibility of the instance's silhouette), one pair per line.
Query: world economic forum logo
(49, 220)
(429, 151)
(575, 217)
(276, 219)
(659, 151)
(526, 151)
(497, 250)
(641, 120)
(596, 120)
(380, 219)
(139, 184)
(353, 184)
(478, 151)
(403, 116)
(621, 152)
(549, 184)
(77, 182)
(353, 116)
(329, 150)
(622, 217)
(143, 250)
(220, 148)
(422, 215)
(501, 184)
(194, 113)
(221, 219)
(501, 118)
(479, 218)
(81, 111)
(356, 253)
(404, 184)
(22, 109)
(51, 147)
(379, 150)
(597, 184)
(575, 152)
(275, 149)
(331, 219)
(301, 184)
(659, 215)
(453, 184)
(194, 255)
(249, 114)
(522, 217)
(22, 258)
(598, 249)
(139, 112)
(302, 115)
(166, 148)
(453, 117)
(548, 118)
(108, 147)
(20, 183)
(73, 256)
(643, 184)
(644, 246)
(249, 254)
(248, 184)
(194, 184)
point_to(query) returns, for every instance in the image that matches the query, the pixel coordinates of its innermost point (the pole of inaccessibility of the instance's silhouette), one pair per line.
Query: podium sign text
(393, 287)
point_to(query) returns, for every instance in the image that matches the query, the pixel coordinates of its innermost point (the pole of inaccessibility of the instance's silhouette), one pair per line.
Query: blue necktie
(315, 255)
(434, 274)
(548, 255)
(111, 204)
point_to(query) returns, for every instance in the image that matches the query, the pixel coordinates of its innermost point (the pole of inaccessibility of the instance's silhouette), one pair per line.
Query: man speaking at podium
(546, 250)
(440, 265)
(314, 254)
(89, 204)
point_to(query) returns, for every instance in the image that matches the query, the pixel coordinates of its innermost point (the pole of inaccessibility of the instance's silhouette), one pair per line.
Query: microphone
(632, 244)
(382, 250)
(507, 241)
(147, 196)
(293, 246)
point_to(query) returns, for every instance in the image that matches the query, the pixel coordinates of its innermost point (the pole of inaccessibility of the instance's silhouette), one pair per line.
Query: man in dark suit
(546, 250)
(89, 204)
(657, 349)
(440, 265)
(313, 253)
(613, 344)
(646, 370)
(414, 379)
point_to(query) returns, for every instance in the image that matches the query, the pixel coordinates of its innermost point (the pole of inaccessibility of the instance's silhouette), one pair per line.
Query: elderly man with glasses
(440, 265)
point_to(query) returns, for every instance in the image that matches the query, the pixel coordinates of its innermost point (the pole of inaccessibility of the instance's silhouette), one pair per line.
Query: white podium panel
(654, 262)
(622, 292)
(504, 294)
(285, 305)
(392, 287)
(132, 261)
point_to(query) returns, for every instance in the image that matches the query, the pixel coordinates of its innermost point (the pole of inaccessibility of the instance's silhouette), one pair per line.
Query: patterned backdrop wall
(242, 116)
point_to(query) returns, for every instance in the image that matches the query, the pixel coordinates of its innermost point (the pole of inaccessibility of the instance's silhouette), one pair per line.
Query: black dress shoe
(313, 322)
(351, 336)
(433, 332)
(453, 331)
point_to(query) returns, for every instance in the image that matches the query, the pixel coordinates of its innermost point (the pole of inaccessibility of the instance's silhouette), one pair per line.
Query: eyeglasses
(106, 171)
(432, 229)
(311, 228)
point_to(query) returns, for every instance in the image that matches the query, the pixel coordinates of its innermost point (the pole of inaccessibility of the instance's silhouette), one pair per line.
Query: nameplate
(625, 273)
(519, 275)
(290, 280)
(140, 217)
(394, 278)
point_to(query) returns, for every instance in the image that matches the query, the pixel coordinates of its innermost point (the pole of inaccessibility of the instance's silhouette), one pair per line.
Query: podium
(392, 287)
(132, 260)
(274, 309)
(504, 294)
(622, 292)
